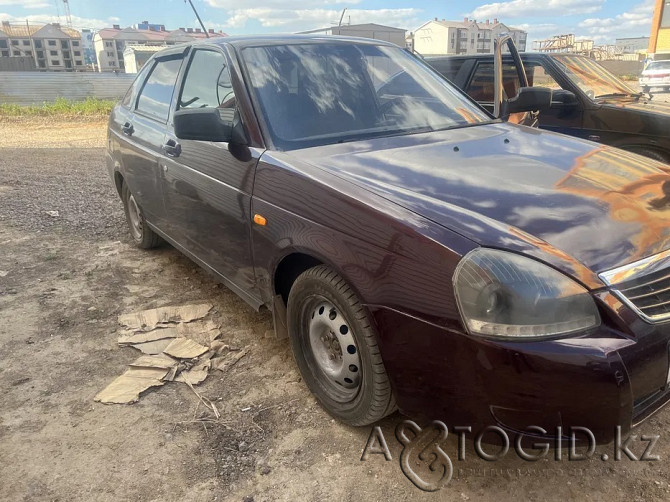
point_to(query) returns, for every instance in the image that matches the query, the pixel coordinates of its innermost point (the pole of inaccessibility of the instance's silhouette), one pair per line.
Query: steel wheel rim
(135, 218)
(333, 349)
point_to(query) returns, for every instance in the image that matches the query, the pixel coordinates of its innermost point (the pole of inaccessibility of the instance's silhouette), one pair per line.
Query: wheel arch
(118, 181)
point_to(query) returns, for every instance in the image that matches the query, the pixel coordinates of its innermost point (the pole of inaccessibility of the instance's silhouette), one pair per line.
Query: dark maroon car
(418, 253)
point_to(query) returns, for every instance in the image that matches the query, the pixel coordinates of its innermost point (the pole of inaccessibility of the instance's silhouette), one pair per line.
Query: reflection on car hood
(641, 105)
(518, 188)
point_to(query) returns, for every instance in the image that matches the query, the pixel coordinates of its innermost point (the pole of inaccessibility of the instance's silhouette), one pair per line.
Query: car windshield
(321, 93)
(594, 80)
(658, 65)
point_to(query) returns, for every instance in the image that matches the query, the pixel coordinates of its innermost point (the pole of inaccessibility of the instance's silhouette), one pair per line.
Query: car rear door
(147, 128)
(206, 188)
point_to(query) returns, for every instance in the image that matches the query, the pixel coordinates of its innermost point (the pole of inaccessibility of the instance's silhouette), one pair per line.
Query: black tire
(142, 235)
(371, 398)
(652, 154)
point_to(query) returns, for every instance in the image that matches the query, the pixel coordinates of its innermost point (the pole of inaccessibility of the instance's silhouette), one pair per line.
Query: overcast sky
(601, 20)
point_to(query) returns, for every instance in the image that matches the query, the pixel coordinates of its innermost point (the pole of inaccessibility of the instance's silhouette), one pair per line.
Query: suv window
(156, 94)
(481, 85)
(539, 77)
(448, 67)
(207, 83)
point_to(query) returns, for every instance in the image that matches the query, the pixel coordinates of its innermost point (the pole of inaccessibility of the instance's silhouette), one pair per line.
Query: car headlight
(505, 295)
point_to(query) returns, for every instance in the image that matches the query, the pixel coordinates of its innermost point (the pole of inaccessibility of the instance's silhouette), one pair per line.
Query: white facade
(467, 37)
(52, 47)
(110, 43)
(369, 30)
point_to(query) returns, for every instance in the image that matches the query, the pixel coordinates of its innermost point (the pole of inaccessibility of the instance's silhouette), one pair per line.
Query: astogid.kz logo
(426, 464)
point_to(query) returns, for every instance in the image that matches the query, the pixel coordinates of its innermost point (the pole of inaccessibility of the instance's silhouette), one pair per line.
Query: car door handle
(172, 148)
(128, 129)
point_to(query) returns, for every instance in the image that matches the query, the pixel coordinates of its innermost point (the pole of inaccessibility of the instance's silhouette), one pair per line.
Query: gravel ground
(65, 279)
(77, 187)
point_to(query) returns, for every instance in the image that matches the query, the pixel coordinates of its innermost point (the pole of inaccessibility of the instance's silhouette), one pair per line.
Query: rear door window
(131, 95)
(156, 95)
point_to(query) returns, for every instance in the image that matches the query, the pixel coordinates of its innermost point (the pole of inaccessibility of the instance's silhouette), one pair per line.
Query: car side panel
(389, 255)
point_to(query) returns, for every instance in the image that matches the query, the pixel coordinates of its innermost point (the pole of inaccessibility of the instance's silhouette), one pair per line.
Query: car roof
(242, 41)
(506, 55)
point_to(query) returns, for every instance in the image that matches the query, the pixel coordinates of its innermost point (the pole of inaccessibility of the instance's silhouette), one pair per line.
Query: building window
(78, 63)
(55, 62)
(16, 53)
(66, 55)
(112, 63)
(15, 42)
(4, 54)
(75, 43)
(53, 53)
(65, 44)
(665, 19)
(52, 43)
(77, 53)
(26, 42)
(108, 44)
(42, 64)
(110, 54)
(3, 44)
(40, 54)
(38, 44)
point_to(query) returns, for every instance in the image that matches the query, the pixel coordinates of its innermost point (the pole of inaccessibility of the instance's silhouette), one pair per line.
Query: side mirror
(529, 99)
(563, 99)
(202, 124)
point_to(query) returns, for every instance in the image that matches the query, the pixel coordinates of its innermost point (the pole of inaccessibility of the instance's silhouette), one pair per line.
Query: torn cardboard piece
(196, 375)
(185, 348)
(178, 344)
(224, 363)
(127, 388)
(148, 319)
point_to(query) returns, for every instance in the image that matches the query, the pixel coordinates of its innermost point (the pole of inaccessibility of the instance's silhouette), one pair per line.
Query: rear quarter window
(448, 67)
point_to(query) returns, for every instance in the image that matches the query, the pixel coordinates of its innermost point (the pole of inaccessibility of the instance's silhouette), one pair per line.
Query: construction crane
(68, 15)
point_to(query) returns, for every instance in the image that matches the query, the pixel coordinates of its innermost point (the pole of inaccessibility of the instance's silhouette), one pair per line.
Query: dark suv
(589, 101)
(417, 252)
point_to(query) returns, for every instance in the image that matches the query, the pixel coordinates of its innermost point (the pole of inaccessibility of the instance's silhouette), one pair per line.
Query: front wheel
(335, 348)
(646, 89)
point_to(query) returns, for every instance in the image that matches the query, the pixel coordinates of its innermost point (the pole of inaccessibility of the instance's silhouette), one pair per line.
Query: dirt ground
(65, 279)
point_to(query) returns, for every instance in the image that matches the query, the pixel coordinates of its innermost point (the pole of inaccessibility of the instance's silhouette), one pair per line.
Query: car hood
(641, 106)
(572, 202)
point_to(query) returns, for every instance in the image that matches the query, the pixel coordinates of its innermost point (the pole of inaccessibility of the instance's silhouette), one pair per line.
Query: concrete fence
(28, 88)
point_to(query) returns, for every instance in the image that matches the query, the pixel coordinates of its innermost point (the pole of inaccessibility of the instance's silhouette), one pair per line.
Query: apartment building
(110, 43)
(440, 37)
(368, 30)
(53, 47)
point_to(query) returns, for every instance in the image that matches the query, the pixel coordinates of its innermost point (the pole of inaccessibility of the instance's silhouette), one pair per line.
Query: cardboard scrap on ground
(185, 348)
(149, 319)
(178, 344)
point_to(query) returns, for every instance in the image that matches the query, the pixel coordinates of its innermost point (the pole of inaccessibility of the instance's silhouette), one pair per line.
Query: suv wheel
(335, 348)
(142, 235)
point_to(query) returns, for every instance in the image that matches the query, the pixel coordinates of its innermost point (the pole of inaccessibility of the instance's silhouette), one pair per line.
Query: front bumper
(614, 376)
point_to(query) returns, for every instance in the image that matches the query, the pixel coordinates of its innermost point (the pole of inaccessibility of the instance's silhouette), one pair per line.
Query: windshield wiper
(616, 95)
